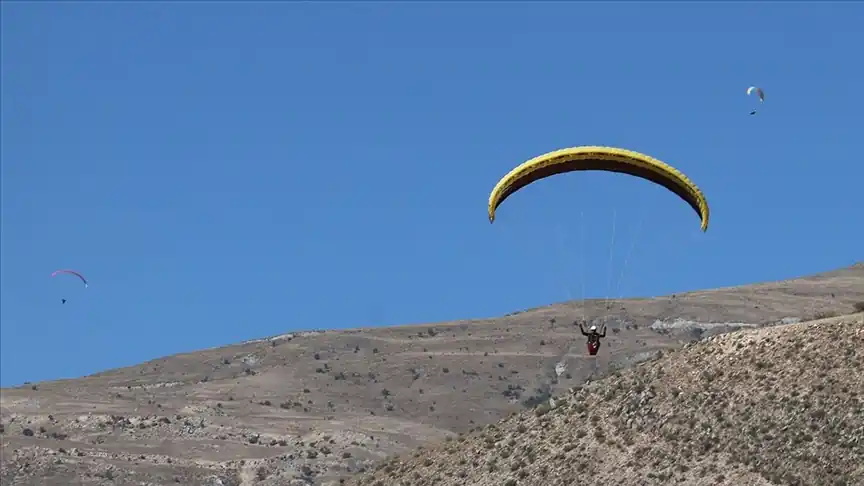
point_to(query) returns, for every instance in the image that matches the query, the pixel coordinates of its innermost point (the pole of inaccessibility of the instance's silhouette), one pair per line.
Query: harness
(593, 343)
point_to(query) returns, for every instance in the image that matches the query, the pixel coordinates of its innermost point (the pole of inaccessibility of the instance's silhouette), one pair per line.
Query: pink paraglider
(71, 272)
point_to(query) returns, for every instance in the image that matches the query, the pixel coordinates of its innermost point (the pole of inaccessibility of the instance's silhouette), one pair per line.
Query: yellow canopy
(600, 158)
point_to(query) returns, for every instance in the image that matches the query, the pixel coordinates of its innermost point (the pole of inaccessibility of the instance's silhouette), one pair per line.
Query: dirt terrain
(321, 407)
(780, 405)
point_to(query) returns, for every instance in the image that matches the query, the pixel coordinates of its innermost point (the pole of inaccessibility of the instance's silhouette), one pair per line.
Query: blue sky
(228, 171)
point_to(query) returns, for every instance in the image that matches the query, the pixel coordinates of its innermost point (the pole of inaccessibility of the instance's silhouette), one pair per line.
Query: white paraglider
(759, 93)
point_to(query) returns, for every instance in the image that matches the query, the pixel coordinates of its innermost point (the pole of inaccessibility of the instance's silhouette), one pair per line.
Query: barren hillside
(781, 405)
(314, 407)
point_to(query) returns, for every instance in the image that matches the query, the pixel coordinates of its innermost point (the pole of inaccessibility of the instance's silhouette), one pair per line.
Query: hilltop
(782, 405)
(317, 407)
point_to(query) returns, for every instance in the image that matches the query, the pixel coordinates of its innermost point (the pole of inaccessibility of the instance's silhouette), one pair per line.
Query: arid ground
(775, 401)
(780, 405)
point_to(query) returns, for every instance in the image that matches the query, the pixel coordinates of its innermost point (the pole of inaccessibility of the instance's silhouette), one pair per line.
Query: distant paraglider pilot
(761, 94)
(70, 272)
(593, 338)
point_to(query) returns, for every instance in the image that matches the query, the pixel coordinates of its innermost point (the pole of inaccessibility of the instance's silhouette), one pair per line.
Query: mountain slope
(782, 405)
(318, 406)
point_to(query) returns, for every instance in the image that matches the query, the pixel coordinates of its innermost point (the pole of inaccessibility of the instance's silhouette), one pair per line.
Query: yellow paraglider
(600, 158)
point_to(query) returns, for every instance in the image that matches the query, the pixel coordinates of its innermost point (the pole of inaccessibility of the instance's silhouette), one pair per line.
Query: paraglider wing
(758, 91)
(71, 272)
(600, 158)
